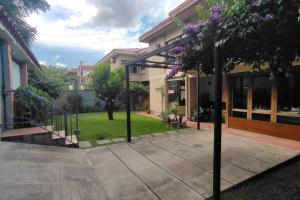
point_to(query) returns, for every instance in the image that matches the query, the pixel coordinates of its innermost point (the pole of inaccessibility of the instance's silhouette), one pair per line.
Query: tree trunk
(110, 110)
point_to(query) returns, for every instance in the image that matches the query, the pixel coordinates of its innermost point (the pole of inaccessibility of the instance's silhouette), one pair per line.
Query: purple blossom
(179, 50)
(269, 17)
(216, 13)
(256, 3)
(174, 70)
(255, 14)
(193, 29)
(190, 29)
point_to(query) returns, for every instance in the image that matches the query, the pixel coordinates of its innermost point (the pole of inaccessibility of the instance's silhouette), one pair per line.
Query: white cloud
(43, 62)
(107, 28)
(60, 64)
(57, 57)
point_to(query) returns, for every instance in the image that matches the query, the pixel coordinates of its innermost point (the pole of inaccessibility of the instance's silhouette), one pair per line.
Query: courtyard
(177, 165)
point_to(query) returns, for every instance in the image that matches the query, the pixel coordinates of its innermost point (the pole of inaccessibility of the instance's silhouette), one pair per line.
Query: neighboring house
(16, 61)
(117, 57)
(89, 98)
(84, 74)
(251, 102)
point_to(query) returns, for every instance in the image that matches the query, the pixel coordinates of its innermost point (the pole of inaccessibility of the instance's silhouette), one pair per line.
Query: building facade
(16, 61)
(84, 74)
(117, 57)
(251, 101)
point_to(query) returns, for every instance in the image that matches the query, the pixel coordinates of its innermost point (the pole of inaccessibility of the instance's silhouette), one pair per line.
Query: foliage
(164, 116)
(138, 93)
(53, 80)
(175, 109)
(18, 10)
(205, 114)
(107, 83)
(21, 105)
(72, 98)
(161, 91)
(253, 32)
(36, 91)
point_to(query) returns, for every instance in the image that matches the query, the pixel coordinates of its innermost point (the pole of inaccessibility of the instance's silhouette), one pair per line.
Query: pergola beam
(159, 51)
(159, 63)
(166, 56)
(149, 66)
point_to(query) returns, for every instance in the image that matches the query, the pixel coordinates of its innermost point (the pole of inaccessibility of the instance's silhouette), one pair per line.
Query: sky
(83, 32)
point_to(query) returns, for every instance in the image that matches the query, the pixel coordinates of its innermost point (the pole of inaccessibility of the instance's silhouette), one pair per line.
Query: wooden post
(274, 102)
(198, 98)
(250, 98)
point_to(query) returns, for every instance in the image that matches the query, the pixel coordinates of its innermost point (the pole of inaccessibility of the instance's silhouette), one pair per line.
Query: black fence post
(217, 124)
(128, 103)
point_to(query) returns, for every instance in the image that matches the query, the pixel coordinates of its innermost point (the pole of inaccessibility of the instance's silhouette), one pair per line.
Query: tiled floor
(173, 166)
(291, 144)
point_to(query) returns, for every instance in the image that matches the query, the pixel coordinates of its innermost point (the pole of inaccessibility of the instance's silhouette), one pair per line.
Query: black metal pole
(217, 124)
(76, 108)
(76, 104)
(128, 103)
(198, 97)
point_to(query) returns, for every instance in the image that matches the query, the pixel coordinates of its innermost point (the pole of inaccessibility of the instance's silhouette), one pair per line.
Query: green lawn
(96, 126)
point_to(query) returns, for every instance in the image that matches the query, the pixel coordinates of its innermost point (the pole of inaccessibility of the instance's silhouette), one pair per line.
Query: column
(24, 74)
(8, 84)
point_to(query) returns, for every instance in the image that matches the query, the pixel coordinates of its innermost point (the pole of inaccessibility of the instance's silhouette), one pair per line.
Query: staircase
(39, 121)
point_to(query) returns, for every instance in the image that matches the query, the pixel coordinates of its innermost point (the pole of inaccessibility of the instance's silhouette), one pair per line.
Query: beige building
(251, 101)
(175, 89)
(117, 57)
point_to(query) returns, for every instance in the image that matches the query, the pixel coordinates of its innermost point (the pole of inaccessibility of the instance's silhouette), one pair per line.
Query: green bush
(36, 91)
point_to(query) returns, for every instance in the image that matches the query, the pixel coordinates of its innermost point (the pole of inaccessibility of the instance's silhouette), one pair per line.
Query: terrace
(177, 165)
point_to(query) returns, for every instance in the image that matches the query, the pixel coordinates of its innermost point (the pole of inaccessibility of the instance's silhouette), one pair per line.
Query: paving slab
(161, 182)
(229, 172)
(116, 140)
(145, 136)
(158, 134)
(85, 144)
(103, 142)
(195, 177)
(134, 138)
(116, 180)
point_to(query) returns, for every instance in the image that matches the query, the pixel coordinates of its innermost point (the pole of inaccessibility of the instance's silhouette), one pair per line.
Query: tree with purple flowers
(252, 32)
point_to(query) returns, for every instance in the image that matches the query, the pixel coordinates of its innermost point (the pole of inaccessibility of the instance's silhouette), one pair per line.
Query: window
(240, 92)
(240, 85)
(288, 100)
(262, 88)
(176, 92)
(133, 70)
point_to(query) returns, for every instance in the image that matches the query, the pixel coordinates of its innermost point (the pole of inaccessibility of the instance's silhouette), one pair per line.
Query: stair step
(70, 138)
(58, 135)
(25, 131)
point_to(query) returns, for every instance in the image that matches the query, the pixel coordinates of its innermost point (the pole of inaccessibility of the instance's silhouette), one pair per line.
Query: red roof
(83, 67)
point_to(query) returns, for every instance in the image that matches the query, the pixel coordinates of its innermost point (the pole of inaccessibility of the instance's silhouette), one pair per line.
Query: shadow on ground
(279, 183)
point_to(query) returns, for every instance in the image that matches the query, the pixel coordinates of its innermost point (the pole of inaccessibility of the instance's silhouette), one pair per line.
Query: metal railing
(31, 110)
